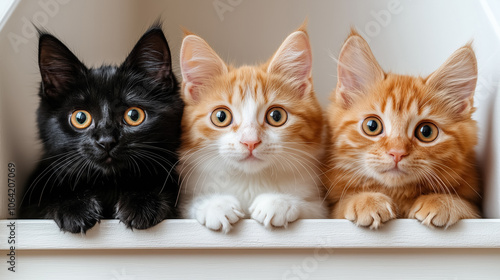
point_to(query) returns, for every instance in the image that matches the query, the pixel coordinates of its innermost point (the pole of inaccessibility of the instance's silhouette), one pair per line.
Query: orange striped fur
(255, 83)
(372, 179)
(250, 168)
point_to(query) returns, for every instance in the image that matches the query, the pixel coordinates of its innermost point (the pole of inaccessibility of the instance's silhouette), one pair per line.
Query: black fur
(110, 169)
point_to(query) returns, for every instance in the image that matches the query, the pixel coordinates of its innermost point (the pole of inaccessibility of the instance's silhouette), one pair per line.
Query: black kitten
(110, 137)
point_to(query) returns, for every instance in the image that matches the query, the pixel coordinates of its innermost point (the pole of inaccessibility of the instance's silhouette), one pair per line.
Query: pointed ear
(199, 64)
(59, 67)
(294, 60)
(456, 80)
(357, 70)
(151, 55)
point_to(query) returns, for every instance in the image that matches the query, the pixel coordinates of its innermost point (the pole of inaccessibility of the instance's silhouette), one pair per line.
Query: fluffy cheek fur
(234, 153)
(436, 179)
(261, 165)
(300, 137)
(369, 155)
(402, 170)
(221, 184)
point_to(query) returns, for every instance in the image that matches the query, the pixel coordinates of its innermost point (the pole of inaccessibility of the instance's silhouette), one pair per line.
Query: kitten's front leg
(276, 209)
(142, 210)
(217, 212)
(76, 214)
(442, 210)
(367, 209)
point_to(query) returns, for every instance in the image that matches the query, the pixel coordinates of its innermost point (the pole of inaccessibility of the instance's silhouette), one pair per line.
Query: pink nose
(397, 155)
(251, 144)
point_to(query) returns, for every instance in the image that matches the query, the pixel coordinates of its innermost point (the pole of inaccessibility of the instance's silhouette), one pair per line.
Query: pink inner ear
(456, 79)
(304, 66)
(347, 100)
(349, 80)
(302, 88)
(192, 91)
(193, 82)
(199, 64)
(293, 59)
(464, 107)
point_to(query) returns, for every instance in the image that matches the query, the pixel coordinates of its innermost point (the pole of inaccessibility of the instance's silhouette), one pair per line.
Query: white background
(412, 37)
(408, 37)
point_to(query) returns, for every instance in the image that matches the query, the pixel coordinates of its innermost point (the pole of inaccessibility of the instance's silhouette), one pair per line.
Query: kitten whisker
(57, 163)
(313, 158)
(82, 165)
(281, 163)
(205, 173)
(192, 167)
(150, 157)
(294, 174)
(55, 156)
(207, 158)
(350, 183)
(146, 147)
(315, 179)
(457, 176)
(48, 180)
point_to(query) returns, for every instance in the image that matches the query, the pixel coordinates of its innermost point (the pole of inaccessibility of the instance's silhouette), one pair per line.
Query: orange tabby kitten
(402, 146)
(251, 137)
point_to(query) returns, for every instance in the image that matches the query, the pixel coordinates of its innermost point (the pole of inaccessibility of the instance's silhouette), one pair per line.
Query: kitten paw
(143, 210)
(219, 212)
(275, 210)
(441, 210)
(76, 216)
(369, 209)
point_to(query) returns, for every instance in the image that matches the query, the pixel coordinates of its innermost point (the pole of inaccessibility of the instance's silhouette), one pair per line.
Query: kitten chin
(250, 137)
(251, 165)
(402, 146)
(394, 178)
(110, 138)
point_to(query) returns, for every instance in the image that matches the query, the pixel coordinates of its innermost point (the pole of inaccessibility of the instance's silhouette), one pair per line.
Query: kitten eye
(221, 117)
(276, 116)
(81, 119)
(372, 126)
(134, 116)
(426, 132)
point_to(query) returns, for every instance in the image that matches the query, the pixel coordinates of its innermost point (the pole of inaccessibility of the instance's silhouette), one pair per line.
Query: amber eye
(372, 126)
(426, 132)
(134, 116)
(276, 116)
(81, 119)
(221, 117)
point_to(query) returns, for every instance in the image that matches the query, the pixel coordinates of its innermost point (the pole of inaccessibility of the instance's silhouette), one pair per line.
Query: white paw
(218, 212)
(275, 209)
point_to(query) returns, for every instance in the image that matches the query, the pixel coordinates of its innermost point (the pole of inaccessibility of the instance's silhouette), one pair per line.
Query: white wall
(410, 37)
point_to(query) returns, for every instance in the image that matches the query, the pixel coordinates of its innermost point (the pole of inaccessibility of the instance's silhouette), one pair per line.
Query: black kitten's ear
(151, 55)
(59, 67)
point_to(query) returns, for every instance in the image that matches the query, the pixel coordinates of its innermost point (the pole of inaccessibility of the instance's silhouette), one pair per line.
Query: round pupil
(426, 131)
(221, 116)
(372, 125)
(81, 117)
(276, 115)
(133, 115)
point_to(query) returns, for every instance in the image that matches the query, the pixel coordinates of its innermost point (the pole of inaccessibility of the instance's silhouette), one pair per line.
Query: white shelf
(248, 234)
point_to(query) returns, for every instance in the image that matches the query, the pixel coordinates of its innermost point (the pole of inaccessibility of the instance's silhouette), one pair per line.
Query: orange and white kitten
(251, 137)
(402, 146)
